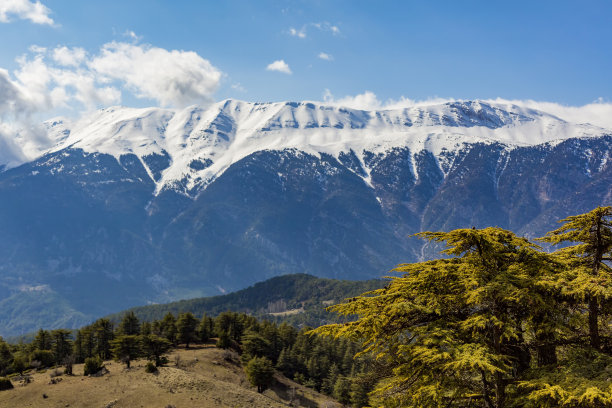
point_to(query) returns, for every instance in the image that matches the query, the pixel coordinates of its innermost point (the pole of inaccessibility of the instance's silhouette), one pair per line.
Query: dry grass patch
(204, 377)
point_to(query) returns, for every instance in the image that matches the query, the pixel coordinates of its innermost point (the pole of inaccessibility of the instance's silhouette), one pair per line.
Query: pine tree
(129, 325)
(168, 328)
(154, 347)
(186, 325)
(588, 278)
(103, 334)
(126, 348)
(260, 372)
(462, 315)
(61, 346)
(42, 341)
(205, 329)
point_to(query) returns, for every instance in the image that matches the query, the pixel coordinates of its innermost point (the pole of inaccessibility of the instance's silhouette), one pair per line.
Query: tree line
(263, 346)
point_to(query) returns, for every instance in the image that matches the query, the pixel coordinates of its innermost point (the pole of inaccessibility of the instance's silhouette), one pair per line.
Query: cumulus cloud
(173, 78)
(71, 78)
(280, 66)
(68, 56)
(325, 56)
(36, 12)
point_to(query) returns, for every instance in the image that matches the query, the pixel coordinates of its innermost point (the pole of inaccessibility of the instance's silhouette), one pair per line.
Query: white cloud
(598, 113)
(280, 66)
(323, 26)
(325, 56)
(301, 33)
(69, 56)
(36, 12)
(70, 78)
(173, 78)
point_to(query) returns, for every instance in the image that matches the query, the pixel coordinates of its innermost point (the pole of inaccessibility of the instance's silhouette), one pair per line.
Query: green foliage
(295, 291)
(260, 372)
(45, 357)
(154, 347)
(167, 328)
(129, 324)
(186, 326)
(150, 368)
(587, 277)
(497, 323)
(61, 344)
(255, 345)
(126, 348)
(92, 365)
(342, 390)
(205, 329)
(6, 357)
(5, 384)
(42, 341)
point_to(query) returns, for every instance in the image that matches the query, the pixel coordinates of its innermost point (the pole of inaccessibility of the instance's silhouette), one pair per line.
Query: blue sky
(558, 51)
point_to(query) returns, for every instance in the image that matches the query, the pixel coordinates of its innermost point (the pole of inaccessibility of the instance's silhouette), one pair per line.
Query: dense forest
(497, 322)
(307, 294)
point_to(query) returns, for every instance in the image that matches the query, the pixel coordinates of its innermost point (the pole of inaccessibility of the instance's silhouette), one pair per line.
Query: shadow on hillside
(292, 394)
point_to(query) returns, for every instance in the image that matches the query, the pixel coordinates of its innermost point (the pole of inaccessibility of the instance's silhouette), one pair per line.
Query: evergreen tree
(129, 324)
(42, 340)
(145, 328)
(342, 390)
(103, 334)
(260, 373)
(126, 348)
(186, 328)
(588, 278)
(61, 345)
(205, 329)
(154, 347)
(254, 345)
(462, 315)
(6, 357)
(168, 328)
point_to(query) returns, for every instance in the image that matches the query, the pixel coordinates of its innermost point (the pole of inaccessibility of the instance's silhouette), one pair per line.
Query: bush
(45, 357)
(150, 367)
(92, 365)
(5, 384)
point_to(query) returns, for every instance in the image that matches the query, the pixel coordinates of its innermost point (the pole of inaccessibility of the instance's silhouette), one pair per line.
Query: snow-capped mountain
(130, 206)
(199, 144)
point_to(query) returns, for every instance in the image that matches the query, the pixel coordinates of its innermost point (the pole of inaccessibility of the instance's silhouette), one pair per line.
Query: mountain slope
(136, 206)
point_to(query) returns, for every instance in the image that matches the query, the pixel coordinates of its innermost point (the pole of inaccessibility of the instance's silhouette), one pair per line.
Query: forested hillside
(297, 299)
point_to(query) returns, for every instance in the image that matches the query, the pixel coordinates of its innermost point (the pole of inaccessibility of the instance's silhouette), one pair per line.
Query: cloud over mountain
(72, 78)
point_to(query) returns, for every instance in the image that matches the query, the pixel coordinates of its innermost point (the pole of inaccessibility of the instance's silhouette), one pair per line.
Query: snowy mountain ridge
(196, 145)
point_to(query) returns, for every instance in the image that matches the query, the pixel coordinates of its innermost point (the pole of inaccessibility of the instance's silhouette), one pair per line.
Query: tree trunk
(593, 324)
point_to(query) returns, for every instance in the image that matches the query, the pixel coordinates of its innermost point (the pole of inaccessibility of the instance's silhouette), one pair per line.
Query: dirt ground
(198, 377)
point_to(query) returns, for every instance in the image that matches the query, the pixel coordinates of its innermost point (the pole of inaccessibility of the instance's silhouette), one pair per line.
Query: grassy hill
(204, 377)
(298, 299)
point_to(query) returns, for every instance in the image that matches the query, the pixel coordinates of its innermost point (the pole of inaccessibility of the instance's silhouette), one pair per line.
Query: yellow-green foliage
(489, 326)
